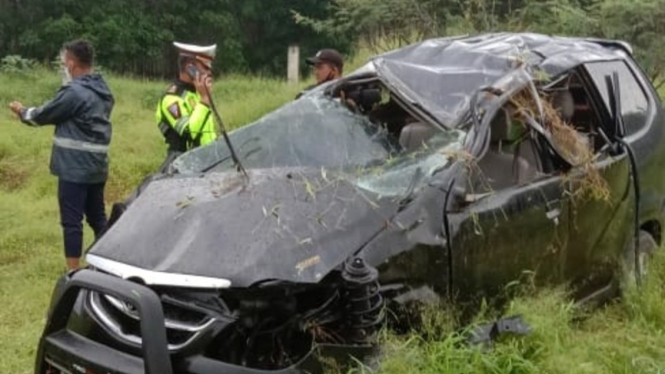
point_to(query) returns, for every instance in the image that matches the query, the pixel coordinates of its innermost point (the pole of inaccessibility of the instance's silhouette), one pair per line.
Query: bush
(16, 64)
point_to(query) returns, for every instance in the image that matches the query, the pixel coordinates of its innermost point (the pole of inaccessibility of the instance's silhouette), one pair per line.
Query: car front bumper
(68, 351)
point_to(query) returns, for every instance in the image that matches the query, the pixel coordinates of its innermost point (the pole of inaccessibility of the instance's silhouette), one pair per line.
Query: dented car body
(401, 183)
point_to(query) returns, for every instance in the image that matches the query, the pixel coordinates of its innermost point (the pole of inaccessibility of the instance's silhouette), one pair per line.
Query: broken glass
(319, 132)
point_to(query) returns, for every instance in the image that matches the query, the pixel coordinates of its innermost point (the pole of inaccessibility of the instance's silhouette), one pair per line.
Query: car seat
(415, 134)
(501, 166)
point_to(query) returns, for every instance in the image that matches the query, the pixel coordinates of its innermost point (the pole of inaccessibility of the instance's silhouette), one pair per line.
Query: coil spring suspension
(362, 301)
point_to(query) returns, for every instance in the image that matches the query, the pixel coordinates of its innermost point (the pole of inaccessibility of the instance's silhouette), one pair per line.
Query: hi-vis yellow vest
(184, 121)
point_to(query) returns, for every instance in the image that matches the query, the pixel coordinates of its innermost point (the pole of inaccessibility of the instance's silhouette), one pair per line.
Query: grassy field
(626, 337)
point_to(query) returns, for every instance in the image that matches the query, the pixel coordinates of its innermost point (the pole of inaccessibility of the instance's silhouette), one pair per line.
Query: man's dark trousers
(75, 200)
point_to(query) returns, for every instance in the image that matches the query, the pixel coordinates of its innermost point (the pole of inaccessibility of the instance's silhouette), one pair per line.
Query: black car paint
(290, 224)
(492, 240)
(505, 234)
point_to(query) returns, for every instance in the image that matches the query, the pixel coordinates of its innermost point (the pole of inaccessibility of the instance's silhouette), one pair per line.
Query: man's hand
(203, 84)
(16, 107)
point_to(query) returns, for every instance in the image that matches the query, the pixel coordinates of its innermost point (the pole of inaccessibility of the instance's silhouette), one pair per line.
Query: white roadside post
(293, 64)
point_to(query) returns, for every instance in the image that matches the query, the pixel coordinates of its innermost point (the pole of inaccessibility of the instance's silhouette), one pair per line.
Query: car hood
(284, 224)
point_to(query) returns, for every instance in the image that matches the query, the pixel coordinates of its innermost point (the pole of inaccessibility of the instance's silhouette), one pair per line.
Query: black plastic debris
(488, 333)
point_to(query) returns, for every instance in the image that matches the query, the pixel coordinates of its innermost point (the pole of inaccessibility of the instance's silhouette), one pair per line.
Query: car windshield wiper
(230, 156)
(232, 151)
(216, 163)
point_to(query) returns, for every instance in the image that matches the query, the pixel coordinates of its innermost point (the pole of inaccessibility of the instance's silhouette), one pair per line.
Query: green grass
(622, 338)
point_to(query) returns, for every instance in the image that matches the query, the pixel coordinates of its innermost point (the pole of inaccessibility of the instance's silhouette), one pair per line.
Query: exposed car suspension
(363, 303)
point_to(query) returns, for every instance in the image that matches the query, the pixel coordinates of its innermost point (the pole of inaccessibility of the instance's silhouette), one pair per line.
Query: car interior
(369, 97)
(510, 159)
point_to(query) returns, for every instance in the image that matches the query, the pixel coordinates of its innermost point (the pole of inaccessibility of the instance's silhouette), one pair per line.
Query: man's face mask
(64, 70)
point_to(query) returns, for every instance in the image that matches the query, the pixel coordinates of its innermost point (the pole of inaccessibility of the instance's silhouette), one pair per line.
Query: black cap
(329, 56)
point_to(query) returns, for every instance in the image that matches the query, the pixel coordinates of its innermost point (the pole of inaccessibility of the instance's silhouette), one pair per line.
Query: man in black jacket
(80, 112)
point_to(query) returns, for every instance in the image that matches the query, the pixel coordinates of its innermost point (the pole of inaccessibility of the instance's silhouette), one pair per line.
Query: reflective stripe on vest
(181, 123)
(80, 145)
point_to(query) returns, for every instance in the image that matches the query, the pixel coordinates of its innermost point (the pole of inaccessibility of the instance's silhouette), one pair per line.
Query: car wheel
(648, 247)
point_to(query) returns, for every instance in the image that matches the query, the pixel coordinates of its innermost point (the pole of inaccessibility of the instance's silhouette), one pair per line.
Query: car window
(634, 102)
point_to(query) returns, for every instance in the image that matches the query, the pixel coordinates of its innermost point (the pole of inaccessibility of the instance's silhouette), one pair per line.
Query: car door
(601, 228)
(516, 231)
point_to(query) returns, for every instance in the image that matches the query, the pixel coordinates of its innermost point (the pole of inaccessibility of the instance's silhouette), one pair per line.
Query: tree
(380, 24)
(387, 24)
(135, 36)
(641, 23)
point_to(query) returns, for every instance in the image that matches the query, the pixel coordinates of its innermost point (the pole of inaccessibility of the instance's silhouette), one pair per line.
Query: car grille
(122, 320)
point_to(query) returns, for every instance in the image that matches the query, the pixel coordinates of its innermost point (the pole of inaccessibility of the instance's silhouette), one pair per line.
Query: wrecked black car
(441, 171)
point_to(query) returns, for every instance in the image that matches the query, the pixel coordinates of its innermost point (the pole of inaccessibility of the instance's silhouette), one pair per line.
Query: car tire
(648, 247)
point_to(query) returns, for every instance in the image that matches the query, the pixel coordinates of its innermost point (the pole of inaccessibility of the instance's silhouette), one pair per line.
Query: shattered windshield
(319, 132)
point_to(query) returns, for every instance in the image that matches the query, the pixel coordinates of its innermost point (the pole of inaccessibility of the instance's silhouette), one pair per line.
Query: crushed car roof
(441, 75)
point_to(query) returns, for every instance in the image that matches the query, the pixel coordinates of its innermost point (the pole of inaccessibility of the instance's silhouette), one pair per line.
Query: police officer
(328, 65)
(183, 112)
(80, 112)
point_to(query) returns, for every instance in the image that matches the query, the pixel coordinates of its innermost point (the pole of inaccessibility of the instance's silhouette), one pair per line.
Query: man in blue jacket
(80, 112)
